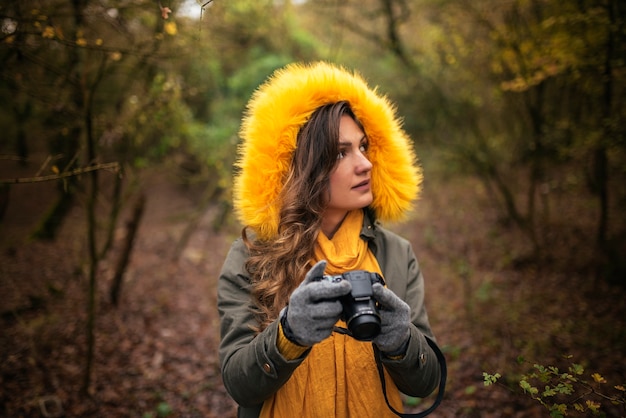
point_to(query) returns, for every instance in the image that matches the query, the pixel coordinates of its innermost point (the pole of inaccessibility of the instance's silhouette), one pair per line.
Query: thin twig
(202, 8)
(44, 165)
(78, 171)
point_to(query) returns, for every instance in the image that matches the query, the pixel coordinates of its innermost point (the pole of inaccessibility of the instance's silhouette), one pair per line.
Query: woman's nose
(363, 163)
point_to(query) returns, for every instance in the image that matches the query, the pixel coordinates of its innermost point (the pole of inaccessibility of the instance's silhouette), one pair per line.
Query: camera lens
(364, 326)
(359, 307)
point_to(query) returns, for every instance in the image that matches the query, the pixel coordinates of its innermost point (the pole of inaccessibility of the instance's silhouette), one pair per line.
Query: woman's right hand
(314, 307)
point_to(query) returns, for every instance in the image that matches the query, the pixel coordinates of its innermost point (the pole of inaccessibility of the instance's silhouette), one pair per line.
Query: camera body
(360, 309)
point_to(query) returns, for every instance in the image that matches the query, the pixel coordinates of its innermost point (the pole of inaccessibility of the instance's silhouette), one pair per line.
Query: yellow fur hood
(270, 126)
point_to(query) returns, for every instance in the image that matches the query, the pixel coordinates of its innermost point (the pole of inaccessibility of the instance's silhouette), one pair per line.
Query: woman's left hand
(395, 321)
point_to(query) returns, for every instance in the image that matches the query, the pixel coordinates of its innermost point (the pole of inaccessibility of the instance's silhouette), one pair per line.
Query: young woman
(323, 159)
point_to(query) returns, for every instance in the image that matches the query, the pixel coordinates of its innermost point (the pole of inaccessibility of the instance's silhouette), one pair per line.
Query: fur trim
(270, 126)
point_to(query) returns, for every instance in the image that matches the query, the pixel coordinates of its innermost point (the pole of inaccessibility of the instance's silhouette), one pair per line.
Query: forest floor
(156, 353)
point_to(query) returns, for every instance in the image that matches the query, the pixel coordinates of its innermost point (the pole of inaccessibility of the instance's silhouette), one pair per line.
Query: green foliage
(164, 410)
(245, 80)
(490, 379)
(157, 122)
(566, 393)
(412, 401)
(520, 93)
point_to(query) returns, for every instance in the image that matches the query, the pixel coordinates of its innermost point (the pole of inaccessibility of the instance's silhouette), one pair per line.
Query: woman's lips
(362, 185)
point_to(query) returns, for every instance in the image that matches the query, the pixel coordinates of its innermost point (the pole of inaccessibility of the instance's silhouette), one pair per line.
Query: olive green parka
(251, 365)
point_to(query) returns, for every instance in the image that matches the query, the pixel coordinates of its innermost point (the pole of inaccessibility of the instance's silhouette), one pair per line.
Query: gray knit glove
(314, 308)
(395, 319)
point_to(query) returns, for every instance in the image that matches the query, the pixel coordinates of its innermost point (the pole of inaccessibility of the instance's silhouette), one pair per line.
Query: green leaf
(163, 409)
(558, 410)
(577, 369)
(549, 391)
(528, 387)
(412, 401)
(490, 379)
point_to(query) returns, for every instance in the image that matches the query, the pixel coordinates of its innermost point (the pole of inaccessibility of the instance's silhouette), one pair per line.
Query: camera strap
(442, 381)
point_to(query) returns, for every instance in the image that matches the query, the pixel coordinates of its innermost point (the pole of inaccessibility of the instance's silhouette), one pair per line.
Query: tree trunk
(131, 231)
(600, 155)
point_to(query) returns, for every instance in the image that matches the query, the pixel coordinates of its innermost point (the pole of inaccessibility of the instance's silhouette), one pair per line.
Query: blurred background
(119, 126)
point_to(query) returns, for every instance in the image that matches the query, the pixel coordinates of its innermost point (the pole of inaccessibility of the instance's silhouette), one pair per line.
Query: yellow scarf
(339, 377)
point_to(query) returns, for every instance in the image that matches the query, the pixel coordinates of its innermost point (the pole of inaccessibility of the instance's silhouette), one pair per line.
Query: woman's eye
(341, 155)
(364, 147)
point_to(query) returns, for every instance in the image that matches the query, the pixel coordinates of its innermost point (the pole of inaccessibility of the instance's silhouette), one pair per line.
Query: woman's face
(350, 186)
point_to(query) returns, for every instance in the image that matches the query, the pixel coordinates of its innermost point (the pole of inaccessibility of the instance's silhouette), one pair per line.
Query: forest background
(119, 128)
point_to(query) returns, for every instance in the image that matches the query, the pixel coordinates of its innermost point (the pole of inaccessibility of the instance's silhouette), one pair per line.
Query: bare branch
(76, 172)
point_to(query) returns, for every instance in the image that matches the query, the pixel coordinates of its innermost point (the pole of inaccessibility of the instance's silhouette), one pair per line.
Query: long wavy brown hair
(277, 266)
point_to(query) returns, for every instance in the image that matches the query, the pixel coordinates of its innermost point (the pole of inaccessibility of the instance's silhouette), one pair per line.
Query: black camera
(360, 309)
